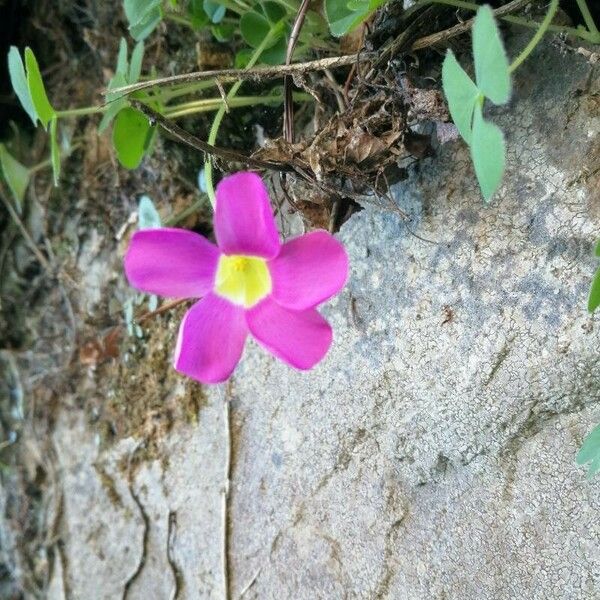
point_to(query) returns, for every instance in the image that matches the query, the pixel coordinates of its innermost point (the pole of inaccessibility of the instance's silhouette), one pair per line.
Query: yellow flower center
(243, 280)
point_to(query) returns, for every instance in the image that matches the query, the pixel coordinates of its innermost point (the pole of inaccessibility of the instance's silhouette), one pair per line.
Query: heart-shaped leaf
(214, 10)
(17, 176)
(135, 67)
(132, 135)
(594, 297)
(461, 93)
(487, 153)
(590, 451)
(18, 79)
(254, 27)
(491, 63)
(273, 11)
(42, 105)
(148, 217)
(122, 62)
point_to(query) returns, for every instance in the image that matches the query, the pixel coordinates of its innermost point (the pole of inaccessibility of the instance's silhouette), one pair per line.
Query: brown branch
(447, 34)
(288, 101)
(161, 309)
(187, 138)
(227, 75)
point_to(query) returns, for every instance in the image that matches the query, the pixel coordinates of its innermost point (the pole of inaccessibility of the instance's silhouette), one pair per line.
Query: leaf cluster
(466, 98)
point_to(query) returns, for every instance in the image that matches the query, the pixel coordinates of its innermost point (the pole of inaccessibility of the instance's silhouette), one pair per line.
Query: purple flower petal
(171, 262)
(299, 338)
(308, 270)
(244, 222)
(211, 340)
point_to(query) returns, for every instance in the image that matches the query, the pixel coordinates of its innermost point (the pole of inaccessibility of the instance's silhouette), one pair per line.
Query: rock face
(431, 455)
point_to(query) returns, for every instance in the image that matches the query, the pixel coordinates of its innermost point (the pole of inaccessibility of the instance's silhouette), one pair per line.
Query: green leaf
(254, 27)
(18, 80)
(37, 90)
(16, 175)
(242, 58)
(214, 10)
(491, 63)
(132, 135)
(223, 32)
(54, 151)
(143, 17)
(122, 66)
(117, 81)
(148, 217)
(487, 153)
(590, 451)
(461, 94)
(355, 5)
(594, 297)
(275, 55)
(340, 18)
(597, 251)
(197, 14)
(135, 67)
(273, 11)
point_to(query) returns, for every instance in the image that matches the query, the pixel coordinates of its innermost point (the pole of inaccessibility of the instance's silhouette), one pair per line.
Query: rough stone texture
(431, 455)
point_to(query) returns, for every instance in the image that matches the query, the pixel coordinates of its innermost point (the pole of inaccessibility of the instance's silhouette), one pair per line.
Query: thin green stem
(537, 36)
(80, 112)
(589, 20)
(535, 25)
(167, 94)
(178, 19)
(589, 36)
(186, 212)
(210, 104)
(212, 136)
(40, 166)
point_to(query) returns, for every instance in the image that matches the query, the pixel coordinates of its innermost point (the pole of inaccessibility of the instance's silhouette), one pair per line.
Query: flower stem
(537, 37)
(214, 130)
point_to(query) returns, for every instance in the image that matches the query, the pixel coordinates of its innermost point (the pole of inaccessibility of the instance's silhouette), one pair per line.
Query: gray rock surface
(431, 455)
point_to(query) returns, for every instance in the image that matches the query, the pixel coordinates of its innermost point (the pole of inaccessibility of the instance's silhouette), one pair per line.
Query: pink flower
(250, 283)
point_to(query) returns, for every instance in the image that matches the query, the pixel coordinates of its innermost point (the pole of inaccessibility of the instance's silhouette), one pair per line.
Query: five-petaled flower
(249, 283)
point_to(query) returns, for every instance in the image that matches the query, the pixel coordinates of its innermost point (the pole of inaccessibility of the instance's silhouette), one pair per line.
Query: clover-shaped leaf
(29, 87)
(126, 72)
(466, 98)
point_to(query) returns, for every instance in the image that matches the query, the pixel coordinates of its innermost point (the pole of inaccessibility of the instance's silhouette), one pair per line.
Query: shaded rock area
(431, 455)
